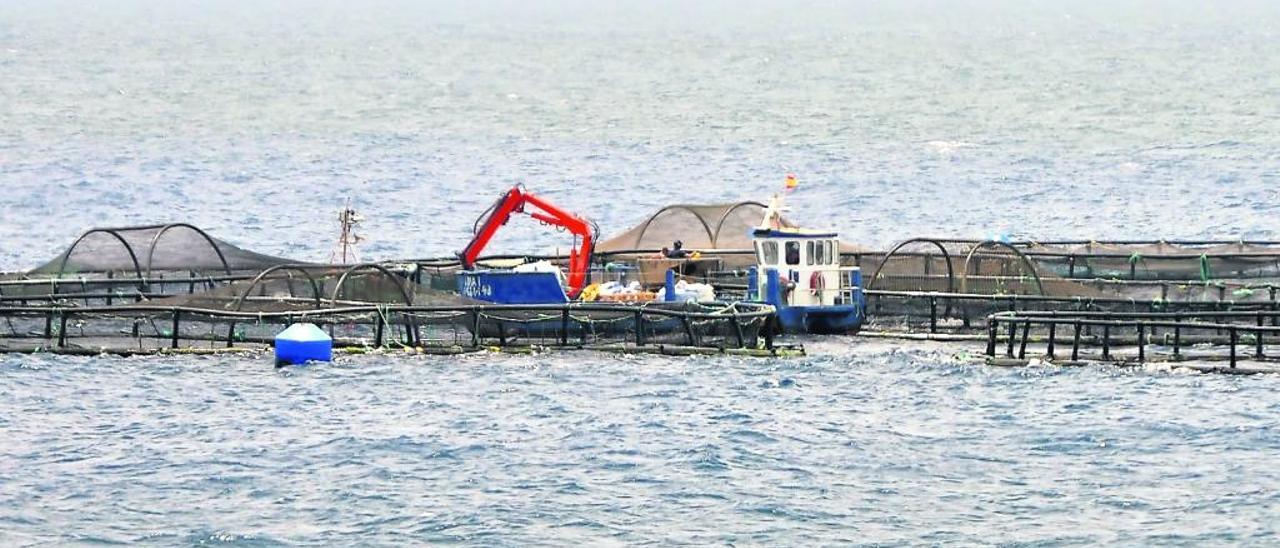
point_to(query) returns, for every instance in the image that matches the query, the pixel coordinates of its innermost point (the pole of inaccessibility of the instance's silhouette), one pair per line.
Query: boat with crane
(537, 283)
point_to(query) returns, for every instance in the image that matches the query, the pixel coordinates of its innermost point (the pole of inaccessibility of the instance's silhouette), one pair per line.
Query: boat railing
(848, 292)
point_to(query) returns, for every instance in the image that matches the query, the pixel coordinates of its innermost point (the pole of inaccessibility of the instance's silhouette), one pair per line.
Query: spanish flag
(792, 183)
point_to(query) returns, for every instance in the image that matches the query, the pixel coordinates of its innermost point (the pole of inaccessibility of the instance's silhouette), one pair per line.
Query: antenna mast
(345, 250)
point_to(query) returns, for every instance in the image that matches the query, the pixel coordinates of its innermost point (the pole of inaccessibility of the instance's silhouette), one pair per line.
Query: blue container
(301, 343)
(510, 287)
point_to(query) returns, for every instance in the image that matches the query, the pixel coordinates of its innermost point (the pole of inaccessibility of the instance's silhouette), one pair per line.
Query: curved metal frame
(964, 277)
(398, 280)
(151, 250)
(645, 227)
(715, 240)
(951, 275)
(315, 288)
(137, 267)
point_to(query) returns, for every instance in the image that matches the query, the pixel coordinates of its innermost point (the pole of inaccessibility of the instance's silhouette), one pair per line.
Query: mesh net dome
(708, 226)
(702, 227)
(140, 249)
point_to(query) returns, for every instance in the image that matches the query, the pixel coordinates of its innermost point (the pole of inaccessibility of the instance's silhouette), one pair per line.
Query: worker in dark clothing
(677, 251)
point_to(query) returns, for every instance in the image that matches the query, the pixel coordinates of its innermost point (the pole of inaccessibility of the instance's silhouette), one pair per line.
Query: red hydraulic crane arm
(514, 201)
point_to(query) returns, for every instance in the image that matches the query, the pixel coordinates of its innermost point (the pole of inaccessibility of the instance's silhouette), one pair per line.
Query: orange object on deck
(641, 297)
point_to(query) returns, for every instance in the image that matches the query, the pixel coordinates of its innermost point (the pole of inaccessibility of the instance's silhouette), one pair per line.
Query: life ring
(817, 283)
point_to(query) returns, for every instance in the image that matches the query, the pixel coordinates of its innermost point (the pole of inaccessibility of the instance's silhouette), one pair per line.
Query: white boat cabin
(808, 265)
(808, 262)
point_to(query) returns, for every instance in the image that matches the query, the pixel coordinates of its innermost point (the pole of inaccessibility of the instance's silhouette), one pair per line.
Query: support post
(1275, 318)
(1258, 351)
(1053, 331)
(1234, 334)
(688, 330)
(1106, 341)
(768, 327)
(1177, 338)
(639, 327)
(1142, 342)
(564, 326)
(177, 314)
(992, 328)
(475, 329)
(62, 328)
(1075, 343)
(1013, 335)
(933, 314)
(1026, 332)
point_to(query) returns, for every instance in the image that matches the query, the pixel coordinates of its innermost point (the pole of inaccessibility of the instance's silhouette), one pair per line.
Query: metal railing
(965, 307)
(1229, 329)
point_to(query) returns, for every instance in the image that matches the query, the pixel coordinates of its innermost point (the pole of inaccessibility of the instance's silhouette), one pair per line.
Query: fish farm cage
(141, 328)
(940, 286)
(173, 287)
(129, 285)
(947, 287)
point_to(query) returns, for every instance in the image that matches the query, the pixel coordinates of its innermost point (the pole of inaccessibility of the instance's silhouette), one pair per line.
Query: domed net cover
(707, 226)
(138, 250)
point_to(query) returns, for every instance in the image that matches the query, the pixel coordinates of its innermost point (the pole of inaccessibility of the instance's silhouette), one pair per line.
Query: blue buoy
(301, 343)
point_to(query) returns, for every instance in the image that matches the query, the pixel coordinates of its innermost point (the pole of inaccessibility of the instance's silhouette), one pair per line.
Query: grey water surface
(255, 120)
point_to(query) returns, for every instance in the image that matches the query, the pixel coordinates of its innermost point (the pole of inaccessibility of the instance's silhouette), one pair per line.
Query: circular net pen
(949, 286)
(133, 264)
(148, 328)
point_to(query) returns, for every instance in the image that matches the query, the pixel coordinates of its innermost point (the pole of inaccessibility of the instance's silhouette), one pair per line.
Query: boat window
(833, 254)
(769, 253)
(821, 248)
(793, 252)
(809, 254)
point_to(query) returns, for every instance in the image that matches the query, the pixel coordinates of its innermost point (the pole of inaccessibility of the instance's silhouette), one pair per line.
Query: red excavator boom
(515, 201)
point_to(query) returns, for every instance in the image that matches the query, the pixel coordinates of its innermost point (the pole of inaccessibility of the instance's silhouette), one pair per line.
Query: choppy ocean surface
(256, 119)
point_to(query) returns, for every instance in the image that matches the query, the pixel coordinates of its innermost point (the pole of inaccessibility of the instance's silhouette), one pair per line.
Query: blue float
(302, 343)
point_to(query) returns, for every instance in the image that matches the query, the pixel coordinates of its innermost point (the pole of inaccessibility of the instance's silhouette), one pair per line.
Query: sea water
(255, 120)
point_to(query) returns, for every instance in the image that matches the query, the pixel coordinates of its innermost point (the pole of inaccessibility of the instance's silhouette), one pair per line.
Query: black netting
(151, 328)
(706, 226)
(142, 249)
